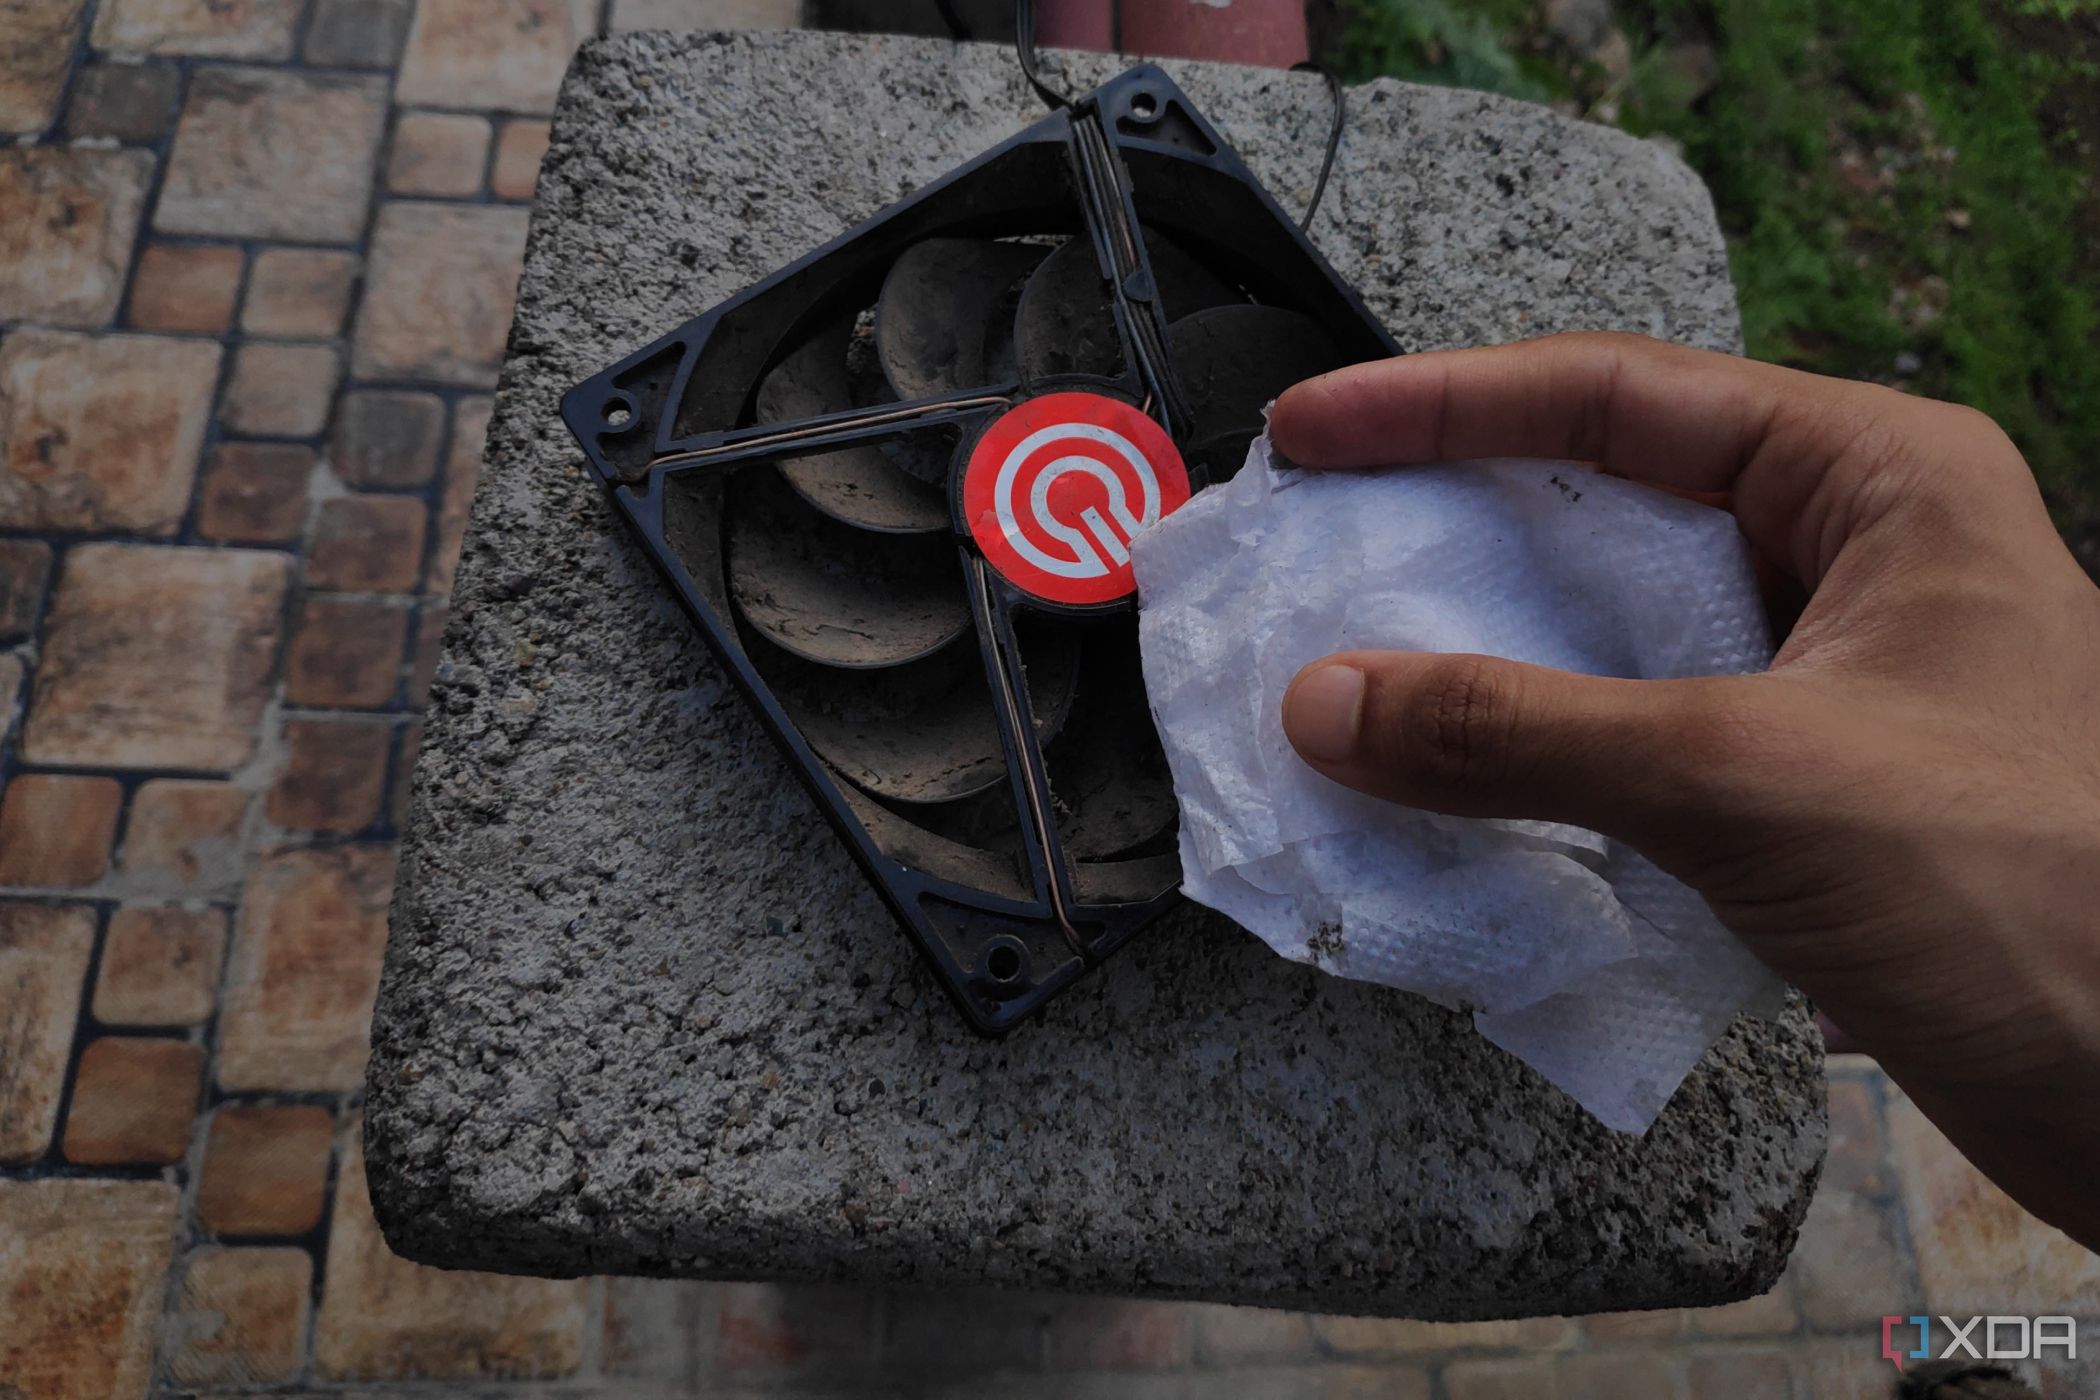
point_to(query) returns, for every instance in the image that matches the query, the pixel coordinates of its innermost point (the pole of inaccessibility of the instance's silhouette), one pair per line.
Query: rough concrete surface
(642, 1015)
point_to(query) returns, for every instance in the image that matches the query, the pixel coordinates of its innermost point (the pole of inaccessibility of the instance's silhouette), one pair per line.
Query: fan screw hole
(1144, 106)
(1002, 962)
(618, 413)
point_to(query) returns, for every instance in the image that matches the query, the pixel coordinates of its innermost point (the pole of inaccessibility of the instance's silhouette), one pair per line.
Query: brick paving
(256, 271)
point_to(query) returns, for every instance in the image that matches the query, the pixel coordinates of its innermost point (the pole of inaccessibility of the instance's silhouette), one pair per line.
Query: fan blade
(1063, 324)
(861, 485)
(944, 313)
(921, 732)
(1108, 773)
(1232, 360)
(1185, 285)
(833, 594)
(863, 488)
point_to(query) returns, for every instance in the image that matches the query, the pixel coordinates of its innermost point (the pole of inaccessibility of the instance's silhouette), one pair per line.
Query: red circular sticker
(1056, 488)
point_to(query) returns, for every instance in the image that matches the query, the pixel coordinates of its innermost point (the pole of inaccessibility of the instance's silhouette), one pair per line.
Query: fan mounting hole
(1004, 960)
(618, 412)
(1144, 107)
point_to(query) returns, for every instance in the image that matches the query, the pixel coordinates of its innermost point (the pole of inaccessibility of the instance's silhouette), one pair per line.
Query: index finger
(1635, 406)
(1695, 421)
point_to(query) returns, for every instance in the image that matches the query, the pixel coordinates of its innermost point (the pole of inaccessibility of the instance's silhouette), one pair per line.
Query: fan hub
(1056, 487)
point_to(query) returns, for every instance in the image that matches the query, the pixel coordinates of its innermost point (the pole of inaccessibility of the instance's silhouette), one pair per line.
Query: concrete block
(642, 1015)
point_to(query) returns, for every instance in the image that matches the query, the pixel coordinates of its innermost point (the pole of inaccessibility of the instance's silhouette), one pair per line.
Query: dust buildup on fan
(860, 485)
(987, 820)
(922, 732)
(1232, 361)
(1108, 775)
(1066, 324)
(944, 321)
(834, 594)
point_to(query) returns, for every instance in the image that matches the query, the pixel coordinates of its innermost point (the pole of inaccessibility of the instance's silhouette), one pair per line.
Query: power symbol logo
(1057, 487)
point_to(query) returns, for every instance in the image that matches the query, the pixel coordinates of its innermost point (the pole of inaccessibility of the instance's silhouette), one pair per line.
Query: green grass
(1901, 181)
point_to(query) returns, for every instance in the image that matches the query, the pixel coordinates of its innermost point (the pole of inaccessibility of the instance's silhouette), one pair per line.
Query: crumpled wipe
(1570, 950)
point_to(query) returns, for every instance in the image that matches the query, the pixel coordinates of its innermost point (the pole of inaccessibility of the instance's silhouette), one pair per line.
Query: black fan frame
(1134, 149)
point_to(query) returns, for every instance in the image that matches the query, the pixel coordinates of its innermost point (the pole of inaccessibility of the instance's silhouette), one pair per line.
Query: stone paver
(255, 493)
(440, 286)
(438, 153)
(83, 1269)
(721, 14)
(334, 775)
(65, 246)
(384, 1317)
(520, 148)
(357, 33)
(1976, 1249)
(242, 1316)
(299, 292)
(1849, 1265)
(56, 829)
(347, 653)
(499, 55)
(387, 439)
(281, 390)
(265, 153)
(258, 29)
(36, 50)
(304, 969)
(186, 287)
(160, 965)
(123, 101)
(133, 1100)
(367, 544)
(184, 838)
(265, 1169)
(44, 953)
(157, 657)
(101, 432)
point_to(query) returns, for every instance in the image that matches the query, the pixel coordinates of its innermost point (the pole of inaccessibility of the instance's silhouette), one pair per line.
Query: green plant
(1903, 182)
(1447, 42)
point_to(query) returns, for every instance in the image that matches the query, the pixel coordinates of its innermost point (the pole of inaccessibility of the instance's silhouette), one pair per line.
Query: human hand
(1902, 816)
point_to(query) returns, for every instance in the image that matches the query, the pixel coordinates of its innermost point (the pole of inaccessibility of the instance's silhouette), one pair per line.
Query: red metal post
(1268, 33)
(1077, 24)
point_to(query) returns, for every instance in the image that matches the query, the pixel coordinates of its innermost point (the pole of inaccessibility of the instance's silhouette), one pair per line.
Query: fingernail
(1322, 712)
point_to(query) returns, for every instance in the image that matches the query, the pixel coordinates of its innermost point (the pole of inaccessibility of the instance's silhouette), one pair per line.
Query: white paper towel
(1571, 951)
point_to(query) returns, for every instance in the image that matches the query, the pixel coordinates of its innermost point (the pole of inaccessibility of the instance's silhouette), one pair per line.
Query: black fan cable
(956, 27)
(1024, 48)
(1334, 134)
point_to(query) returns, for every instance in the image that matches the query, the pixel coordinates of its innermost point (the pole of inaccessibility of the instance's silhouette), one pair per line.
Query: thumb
(1655, 763)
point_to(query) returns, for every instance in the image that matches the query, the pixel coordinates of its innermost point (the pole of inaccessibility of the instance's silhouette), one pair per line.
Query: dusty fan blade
(921, 732)
(833, 594)
(944, 318)
(1108, 773)
(1064, 324)
(1232, 360)
(1185, 285)
(862, 485)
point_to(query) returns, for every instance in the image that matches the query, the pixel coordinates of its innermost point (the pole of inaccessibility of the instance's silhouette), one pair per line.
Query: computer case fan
(894, 482)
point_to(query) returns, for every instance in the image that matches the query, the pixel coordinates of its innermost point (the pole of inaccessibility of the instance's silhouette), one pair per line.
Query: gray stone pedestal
(641, 1015)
